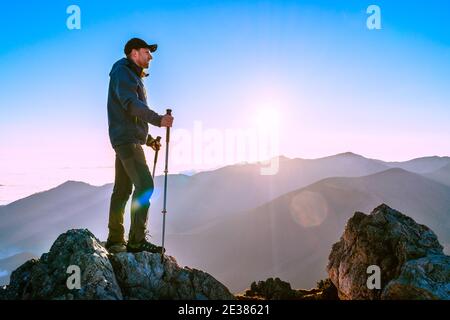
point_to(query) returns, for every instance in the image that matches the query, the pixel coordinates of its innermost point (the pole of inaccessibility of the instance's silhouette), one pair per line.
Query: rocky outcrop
(276, 289)
(409, 256)
(144, 276)
(107, 277)
(271, 289)
(46, 278)
(425, 278)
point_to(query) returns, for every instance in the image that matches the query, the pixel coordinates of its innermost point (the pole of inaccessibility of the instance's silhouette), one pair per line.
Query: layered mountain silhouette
(290, 236)
(441, 175)
(421, 165)
(194, 200)
(242, 226)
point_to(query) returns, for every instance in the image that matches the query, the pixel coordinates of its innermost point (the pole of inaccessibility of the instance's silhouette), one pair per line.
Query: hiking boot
(144, 245)
(115, 247)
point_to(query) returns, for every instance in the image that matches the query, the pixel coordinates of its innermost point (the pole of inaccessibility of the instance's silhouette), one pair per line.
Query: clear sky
(311, 70)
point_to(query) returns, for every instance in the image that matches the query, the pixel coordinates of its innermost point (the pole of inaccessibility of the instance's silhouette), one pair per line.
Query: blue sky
(335, 85)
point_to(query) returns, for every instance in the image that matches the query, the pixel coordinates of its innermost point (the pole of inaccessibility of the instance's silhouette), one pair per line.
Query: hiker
(128, 118)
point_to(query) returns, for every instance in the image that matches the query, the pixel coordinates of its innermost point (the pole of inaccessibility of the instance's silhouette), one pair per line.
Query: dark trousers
(131, 169)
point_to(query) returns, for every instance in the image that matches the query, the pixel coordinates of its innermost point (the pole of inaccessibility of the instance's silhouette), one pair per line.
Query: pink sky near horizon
(40, 166)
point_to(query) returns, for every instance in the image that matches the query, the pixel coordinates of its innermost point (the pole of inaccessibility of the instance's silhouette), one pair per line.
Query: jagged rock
(271, 289)
(134, 276)
(143, 276)
(424, 278)
(409, 255)
(276, 289)
(328, 290)
(47, 277)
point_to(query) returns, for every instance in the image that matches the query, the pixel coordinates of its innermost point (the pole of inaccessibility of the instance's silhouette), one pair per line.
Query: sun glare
(267, 117)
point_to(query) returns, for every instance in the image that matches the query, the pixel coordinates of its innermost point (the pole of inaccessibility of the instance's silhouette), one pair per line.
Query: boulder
(277, 289)
(103, 276)
(409, 257)
(425, 278)
(143, 276)
(47, 277)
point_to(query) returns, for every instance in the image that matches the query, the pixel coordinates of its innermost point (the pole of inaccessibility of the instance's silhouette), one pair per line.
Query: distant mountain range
(290, 236)
(241, 226)
(442, 175)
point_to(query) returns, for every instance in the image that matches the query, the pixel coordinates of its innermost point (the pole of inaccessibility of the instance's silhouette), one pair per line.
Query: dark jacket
(128, 113)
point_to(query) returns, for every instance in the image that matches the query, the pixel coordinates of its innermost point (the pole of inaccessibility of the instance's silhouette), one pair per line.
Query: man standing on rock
(128, 118)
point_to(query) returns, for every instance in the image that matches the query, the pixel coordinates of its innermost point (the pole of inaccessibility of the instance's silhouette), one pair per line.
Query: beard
(144, 64)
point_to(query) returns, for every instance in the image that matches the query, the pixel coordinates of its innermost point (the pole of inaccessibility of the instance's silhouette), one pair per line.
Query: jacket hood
(119, 63)
(128, 63)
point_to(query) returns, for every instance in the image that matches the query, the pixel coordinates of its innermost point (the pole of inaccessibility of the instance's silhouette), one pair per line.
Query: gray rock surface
(424, 278)
(107, 277)
(277, 289)
(144, 276)
(46, 278)
(409, 255)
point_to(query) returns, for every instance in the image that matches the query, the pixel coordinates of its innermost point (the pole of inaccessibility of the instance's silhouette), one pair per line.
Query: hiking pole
(166, 170)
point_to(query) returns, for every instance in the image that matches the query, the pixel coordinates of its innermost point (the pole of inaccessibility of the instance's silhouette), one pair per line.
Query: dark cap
(137, 43)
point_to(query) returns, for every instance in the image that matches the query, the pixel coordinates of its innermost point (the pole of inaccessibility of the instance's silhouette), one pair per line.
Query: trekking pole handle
(168, 112)
(158, 139)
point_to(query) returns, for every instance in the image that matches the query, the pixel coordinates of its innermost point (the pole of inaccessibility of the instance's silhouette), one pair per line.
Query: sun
(267, 118)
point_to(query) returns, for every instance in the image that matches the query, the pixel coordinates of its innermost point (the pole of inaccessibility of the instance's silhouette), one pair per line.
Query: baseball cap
(136, 43)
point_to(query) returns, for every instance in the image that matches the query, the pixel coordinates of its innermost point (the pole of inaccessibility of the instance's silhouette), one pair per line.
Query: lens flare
(309, 209)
